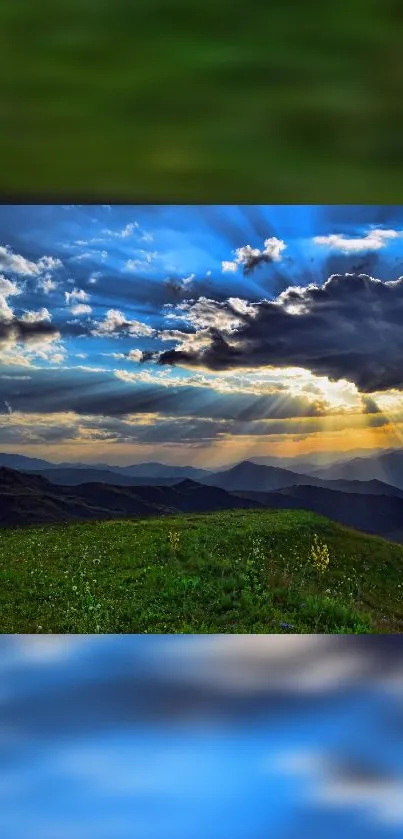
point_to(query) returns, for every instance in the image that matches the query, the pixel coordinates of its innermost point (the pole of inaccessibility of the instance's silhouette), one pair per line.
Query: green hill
(268, 571)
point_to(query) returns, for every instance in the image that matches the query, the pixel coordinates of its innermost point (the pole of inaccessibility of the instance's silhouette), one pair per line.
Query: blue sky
(199, 334)
(194, 736)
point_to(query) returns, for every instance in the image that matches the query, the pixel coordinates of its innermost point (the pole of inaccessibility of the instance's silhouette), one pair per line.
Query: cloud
(18, 331)
(47, 284)
(374, 240)
(125, 233)
(36, 317)
(116, 322)
(143, 263)
(48, 263)
(370, 406)
(250, 257)
(178, 285)
(90, 255)
(18, 264)
(135, 355)
(76, 294)
(229, 266)
(207, 313)
(349, 328)
(117, 394)
(7, 289)
(81, 309)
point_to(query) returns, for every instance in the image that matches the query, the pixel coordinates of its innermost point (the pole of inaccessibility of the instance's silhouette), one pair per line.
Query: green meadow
(214, 101)
(228, 572)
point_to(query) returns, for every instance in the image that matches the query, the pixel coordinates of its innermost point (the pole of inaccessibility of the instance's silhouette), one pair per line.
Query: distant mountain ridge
(387, 467)
(32, 499)
(146, 470)
(26, 498)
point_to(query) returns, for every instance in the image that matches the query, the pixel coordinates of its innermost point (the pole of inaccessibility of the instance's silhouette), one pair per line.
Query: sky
(200, 335)
(184, 737)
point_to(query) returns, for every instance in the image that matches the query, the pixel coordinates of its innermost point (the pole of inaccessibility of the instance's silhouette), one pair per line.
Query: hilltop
(229, 571)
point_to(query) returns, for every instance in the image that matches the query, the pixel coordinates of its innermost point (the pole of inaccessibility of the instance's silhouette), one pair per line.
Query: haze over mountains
(365, 493)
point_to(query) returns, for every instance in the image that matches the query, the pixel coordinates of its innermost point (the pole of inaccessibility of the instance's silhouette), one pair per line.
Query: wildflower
(174, 539)
(320, 554)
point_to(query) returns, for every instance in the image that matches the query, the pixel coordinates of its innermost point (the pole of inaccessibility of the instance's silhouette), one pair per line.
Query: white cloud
(249, 257)
(374, 240)
(115, 321)
(122, 234)
(7, 289)
(206, 313)
(47, 284)
(48, 263)
(36, 317)
(90, 255)
(18, 264)
(76, 294)
(229, 266)
(135, 355)
(142, 263)
(81, 309)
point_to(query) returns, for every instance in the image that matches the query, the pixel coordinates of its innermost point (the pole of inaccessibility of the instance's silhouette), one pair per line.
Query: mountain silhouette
(32, 499)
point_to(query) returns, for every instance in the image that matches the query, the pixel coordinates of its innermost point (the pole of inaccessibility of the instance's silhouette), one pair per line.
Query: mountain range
(354, 493)
(32, 499)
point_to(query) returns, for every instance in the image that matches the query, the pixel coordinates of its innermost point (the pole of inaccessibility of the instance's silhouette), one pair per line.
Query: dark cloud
(102, 394)
(18, 331)
(370, 406)
(349, 328)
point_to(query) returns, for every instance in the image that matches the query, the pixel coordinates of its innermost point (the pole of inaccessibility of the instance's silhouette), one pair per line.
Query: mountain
(296, 464)
(83, 475)
(252, 476)
(376, 514)
(249, 476)
(160, 470)
(19, 461)
(143, 470)
(387, 467)
(373, 487)
(32, 499)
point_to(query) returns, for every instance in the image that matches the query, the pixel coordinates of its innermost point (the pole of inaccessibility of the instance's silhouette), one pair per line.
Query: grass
(167, 100)
(237, 571)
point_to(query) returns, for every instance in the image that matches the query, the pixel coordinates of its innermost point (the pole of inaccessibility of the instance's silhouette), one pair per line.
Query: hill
(252, 476)
(247, 571)
(377, 514)
(29, 499)
(69, 473)
(65, 476)
(387, 467)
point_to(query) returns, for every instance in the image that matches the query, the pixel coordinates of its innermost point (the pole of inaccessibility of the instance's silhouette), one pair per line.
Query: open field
(164, 101)
(235, 571)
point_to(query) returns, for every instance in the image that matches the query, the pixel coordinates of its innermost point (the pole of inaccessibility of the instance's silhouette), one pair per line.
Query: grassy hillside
(176, 101)
(232, 571)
